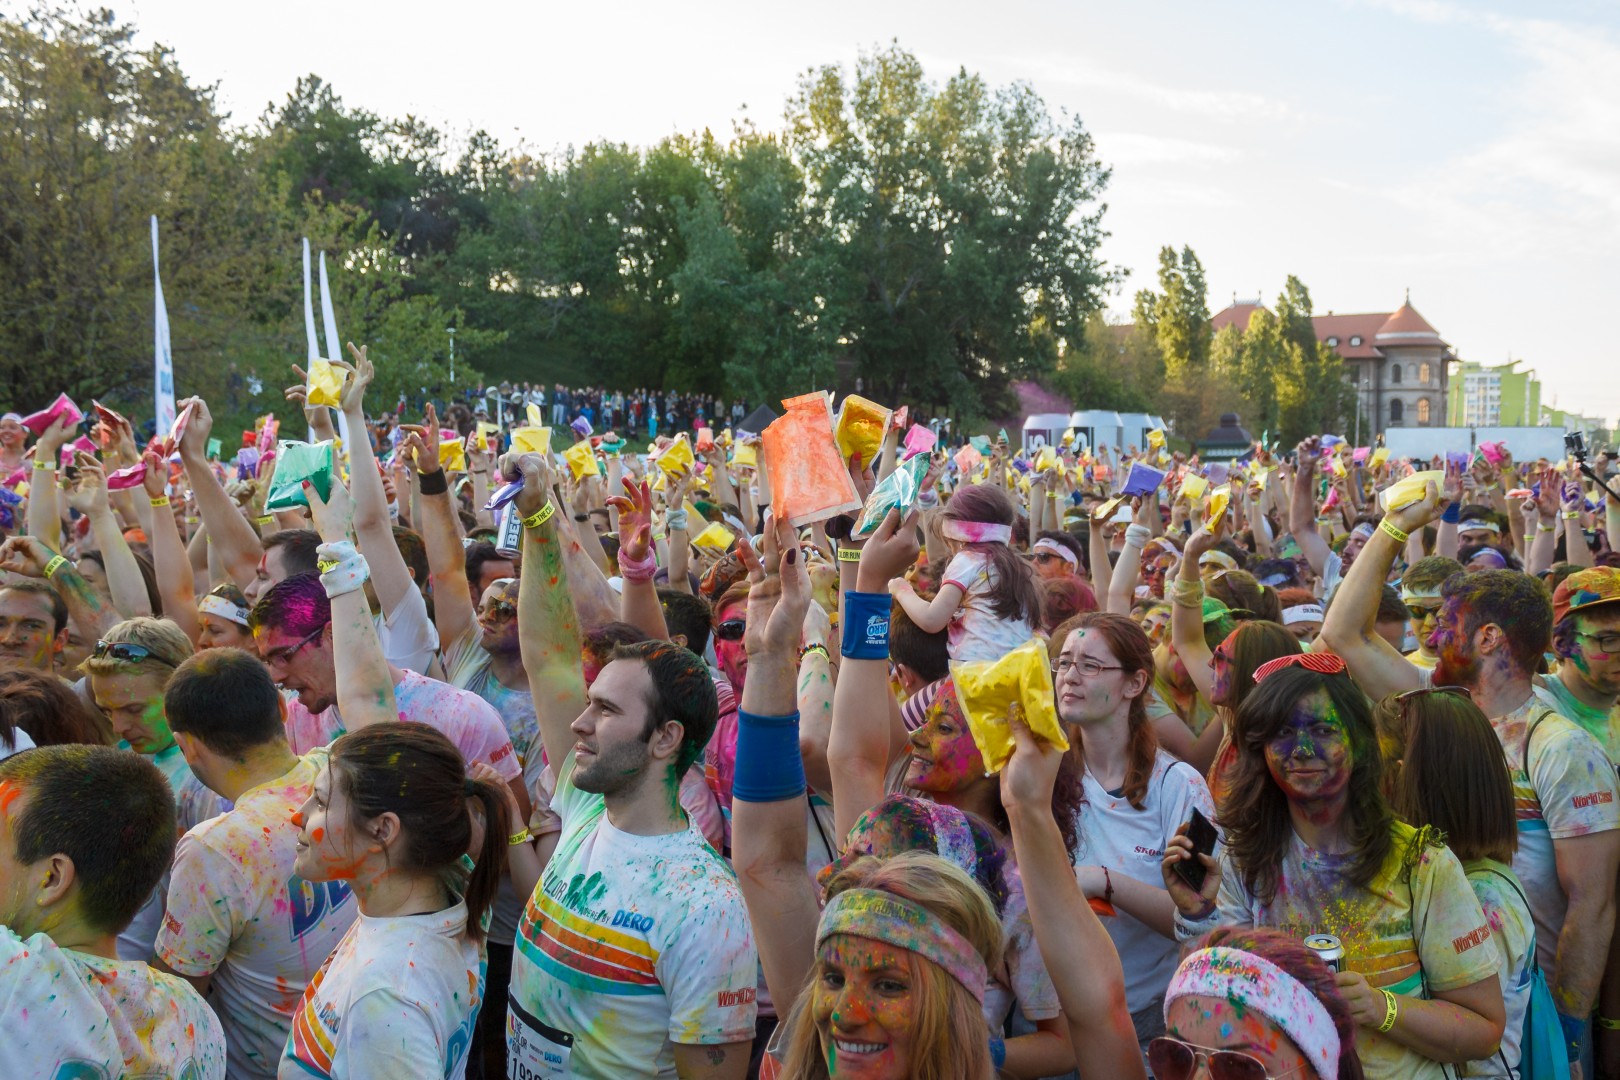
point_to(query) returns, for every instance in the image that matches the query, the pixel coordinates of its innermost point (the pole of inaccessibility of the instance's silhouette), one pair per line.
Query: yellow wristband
(160, 500)
(849, 554)
(520, 837)
(1571, 515)
(44, 466)
(1390, 1012)
(267, 519)
(56, 563)
(540, 516)
(1605, 1023)
(1393, 533)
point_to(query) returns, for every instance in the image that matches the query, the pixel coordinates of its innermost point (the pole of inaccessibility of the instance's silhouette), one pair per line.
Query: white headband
(1057, 549)
(1302, 613)
(1475, 523)
(1248, 981)
(976, 532)
(218, 605)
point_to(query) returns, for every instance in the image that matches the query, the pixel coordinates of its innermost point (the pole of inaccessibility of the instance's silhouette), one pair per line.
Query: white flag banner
(334, 344)
(163, 358)
(314, 349)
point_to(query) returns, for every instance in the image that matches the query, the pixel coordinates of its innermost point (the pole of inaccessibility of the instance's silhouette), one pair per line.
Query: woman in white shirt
(1136, 797)
(391, 817)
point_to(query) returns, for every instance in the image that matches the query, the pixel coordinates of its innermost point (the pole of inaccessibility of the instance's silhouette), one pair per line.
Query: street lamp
(452, 332)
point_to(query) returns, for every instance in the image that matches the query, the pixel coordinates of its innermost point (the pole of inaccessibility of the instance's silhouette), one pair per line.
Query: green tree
(1172, 325)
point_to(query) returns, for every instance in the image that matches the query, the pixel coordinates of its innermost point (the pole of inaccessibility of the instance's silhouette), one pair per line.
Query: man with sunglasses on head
(1490, 633)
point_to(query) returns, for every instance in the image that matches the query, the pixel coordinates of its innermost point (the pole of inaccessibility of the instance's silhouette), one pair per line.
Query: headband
(1323, 663)
(1248, 981)
(1490, 554)
(976, 532)
(1476, 523)
(1055, 548)
(11, 416)
(1302, 613)
(1218, 558)
(218, 605)
(1363, 530)
(883, 916)
(1276, 579)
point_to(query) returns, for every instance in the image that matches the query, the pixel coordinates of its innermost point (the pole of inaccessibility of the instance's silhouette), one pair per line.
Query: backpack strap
(1531, 734)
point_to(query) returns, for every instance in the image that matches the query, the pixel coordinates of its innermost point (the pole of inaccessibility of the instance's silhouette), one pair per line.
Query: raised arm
(365, 685)
(1078, 953)
(26, 555)
(1302, 507)
(233, 539)
(171, 566)
(44, 513)
(453, 611)
(390, 577)
(638, 596)
(1128, 571)
(548, 628)
(769, 831)
(1187, 611)
(125, 583)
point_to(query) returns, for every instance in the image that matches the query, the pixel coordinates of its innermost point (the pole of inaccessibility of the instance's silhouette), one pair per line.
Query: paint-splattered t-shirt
(1515, 935)
(976, 632)
(468, 666)
(1131, 842)
(631, 944)
(1401, 934)
(237, 911)
(397, 998)
(1602, 724)
(465, 719)
(1569, 791)
(67, 1013)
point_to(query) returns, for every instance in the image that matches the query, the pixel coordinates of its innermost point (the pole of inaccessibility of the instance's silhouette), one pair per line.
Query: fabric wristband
(676, 519)
(770, 767)
(1577, 1035)
(1137, 535)
(270, 519)
(643, 569)
(434, 483)
(1452, 513)
(44, 466)
(998, 1051)
(866, 626)
(343, 569)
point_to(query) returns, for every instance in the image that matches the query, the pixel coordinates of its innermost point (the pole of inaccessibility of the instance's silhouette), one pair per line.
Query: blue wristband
(1452, 513)
(998, 1051)
(1577, 1034)
(769, 765)
(866, 626)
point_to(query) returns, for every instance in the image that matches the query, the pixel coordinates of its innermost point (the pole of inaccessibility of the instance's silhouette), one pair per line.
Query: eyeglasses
(1089, 669)
(1609, 643)
(1172, 1059)
(287, 652)
(127, 652)
(731, 630)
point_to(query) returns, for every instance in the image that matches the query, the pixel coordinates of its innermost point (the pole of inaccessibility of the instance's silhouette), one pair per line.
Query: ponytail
(490, 859)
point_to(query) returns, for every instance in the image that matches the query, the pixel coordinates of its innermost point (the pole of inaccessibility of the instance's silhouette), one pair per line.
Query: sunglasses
(1418, 612)
(127, 652)
(498, 610)
(731, 630)
(1172, 1059)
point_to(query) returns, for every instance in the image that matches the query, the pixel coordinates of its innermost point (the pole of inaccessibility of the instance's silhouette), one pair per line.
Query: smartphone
(1202, 834)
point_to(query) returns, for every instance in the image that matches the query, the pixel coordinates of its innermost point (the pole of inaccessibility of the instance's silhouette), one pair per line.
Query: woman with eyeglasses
(1446, 771)
(1314, 848)
(1136, 796)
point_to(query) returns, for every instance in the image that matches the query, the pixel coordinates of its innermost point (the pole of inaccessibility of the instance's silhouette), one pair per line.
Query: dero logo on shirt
(631, 921)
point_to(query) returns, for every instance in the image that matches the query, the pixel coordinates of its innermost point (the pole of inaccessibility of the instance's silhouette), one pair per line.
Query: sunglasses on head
(731, 630)
(1172, 1059)
(127, 652)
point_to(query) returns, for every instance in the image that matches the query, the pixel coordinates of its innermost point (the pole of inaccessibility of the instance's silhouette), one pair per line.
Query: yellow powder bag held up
(325, 382)
(677, 457)
(452, 454)
(1193, 487)
(531, 440)
(986, 689)
(716, 537)
(861, 427)
(1410, 489)
(581, 458)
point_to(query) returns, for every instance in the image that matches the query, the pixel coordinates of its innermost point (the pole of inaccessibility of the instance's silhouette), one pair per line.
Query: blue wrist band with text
(866, 626)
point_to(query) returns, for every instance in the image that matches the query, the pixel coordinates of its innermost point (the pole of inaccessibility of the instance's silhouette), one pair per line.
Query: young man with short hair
(1586, 637)
(33, 626)
(86, 833)
(635, 915)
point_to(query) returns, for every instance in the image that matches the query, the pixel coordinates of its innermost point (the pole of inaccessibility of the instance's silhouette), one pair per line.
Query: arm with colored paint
(43, 515)
(860, 746)
(453, 602)
(373, 529)
(817, 678)
(548, 627)
(1349, 627)
(365, 685)
(1586, 867)
(25, 555)
(1573, 505)
(175, 581)
(1078, 953)
(125, 583)
(233, 539)
(769, 833)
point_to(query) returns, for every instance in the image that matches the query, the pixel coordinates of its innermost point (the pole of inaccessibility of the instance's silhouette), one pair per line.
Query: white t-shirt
(1332, 574)
(19, 742)
(468, 666)
(975, 631)
(69, 1014)
(466, 719)
(1131, 842)
(237, 911)
(1571, 790)
(407, 635)
(649, 931)
(1514, 932)
(398, 997)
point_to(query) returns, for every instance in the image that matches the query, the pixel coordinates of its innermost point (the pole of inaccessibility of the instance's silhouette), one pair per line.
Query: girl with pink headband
(988, 602)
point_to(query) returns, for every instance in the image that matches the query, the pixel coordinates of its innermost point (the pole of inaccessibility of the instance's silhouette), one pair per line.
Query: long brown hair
(1446, 769)
(1130, 646)
(1255, 811)
(1013, 592)
(949, 1040)
(415, 772)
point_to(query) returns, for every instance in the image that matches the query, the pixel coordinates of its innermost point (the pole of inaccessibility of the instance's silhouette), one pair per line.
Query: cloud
(1139, 148)
(1224, 105)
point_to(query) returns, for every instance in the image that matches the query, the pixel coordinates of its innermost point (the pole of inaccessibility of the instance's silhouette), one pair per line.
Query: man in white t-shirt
(635, 916)
(292, 626)
(242, 927)
(68, 1005)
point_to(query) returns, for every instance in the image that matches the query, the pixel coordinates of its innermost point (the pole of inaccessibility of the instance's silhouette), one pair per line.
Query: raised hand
(88, 493)
(360, 374)
(635, 520)
(333, 516)
(26, 556)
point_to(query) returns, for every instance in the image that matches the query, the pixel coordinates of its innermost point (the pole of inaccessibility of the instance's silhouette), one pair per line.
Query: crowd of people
(442, 753)
(640, 410)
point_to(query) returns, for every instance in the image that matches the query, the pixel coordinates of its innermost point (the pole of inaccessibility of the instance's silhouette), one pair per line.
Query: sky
(1467, 151)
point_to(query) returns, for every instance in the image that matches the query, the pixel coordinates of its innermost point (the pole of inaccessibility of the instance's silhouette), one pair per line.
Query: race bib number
(534, 1051)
